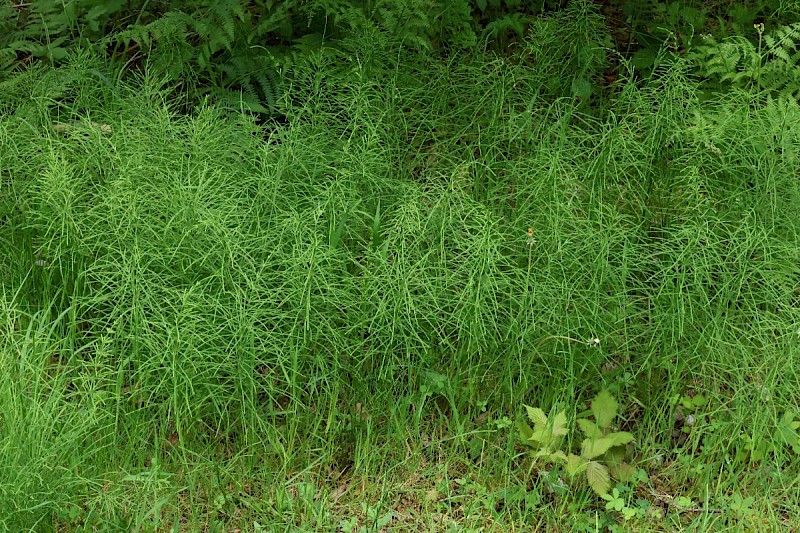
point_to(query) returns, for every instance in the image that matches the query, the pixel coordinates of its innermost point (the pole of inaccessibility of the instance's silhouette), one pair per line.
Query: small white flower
(594, 342)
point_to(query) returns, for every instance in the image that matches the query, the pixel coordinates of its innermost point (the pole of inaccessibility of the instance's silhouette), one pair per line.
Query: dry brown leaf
(339, 492)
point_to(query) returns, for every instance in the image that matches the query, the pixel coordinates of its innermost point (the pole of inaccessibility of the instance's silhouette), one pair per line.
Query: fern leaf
(224, 13)
(738, 62)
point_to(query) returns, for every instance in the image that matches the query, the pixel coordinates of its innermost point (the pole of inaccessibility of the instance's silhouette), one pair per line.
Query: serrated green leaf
(559, 456)
(643, 58)
(623, 472)
(536, 416)
(525, 432)
(604, 408)
(552, 456)
(560, 424)
(589, 428)
(598, 478)
(547, 431)
(615, 455)
(574, 464)
(620, 437)
(593, 448)
(544, 436)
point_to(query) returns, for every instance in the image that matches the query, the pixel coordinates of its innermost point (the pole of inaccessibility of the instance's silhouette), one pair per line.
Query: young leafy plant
(602, 451)
(787, 433)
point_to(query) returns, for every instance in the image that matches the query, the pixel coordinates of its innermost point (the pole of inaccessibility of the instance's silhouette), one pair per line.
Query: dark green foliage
(569, 49)
(232, 48)
(217, 47)
(243, 52)
(646, 26)
(48, 29)
(772, 64)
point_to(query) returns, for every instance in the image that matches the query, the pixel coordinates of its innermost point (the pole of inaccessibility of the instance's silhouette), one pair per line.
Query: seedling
(602, 451)
(786, 434)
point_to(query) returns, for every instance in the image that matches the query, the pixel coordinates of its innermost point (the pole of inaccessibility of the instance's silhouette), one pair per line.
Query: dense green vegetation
(399, 266)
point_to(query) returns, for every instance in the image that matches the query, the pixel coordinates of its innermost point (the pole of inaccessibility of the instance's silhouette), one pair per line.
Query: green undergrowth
(331, 324)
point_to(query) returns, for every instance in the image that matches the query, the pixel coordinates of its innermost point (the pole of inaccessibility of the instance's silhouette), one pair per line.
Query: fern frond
(217, 28)
(171, 27)
(783, 40)
(737, 62)
(515, 22)
(257, 77)
(406, 21)
(453, 23)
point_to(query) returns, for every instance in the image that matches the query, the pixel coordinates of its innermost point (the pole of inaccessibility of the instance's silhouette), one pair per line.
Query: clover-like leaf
(604, 408)
(699, 400)
(788, 421)
(787, 433)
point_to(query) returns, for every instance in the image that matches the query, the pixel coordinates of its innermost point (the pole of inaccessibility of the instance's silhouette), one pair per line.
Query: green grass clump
(216, 323)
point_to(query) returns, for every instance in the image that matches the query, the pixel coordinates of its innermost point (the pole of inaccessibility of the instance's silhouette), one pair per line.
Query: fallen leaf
(339, 492)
